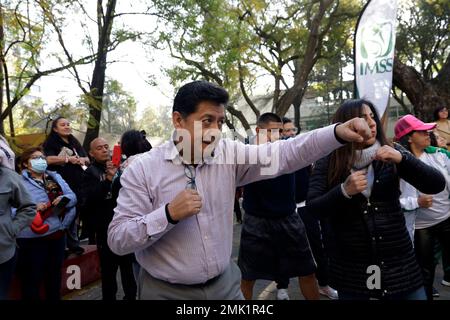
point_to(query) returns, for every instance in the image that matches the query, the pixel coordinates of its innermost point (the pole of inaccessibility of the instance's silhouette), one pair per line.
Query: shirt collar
(171, 153)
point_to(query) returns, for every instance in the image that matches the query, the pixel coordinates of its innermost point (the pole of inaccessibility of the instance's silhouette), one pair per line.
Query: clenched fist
(355, 183)
(354, 130)
(425, 201)
(388, 154)
(187, 203)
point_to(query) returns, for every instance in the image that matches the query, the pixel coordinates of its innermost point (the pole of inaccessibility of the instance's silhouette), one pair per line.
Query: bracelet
(67, 159)
(169, 218)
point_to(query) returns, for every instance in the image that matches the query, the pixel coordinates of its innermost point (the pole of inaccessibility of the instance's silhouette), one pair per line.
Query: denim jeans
(418, 294)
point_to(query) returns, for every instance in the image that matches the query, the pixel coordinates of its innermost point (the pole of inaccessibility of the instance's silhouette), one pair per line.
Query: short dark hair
(134, 142)
(26, 155)
(191, 94)
(267, 117)
(286, 120)
(436, 112)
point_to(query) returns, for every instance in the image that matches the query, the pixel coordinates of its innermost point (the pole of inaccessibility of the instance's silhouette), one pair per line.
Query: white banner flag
(374, 52)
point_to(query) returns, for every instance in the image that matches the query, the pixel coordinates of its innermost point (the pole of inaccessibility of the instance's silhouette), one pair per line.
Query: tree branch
(38, 75)
(244, 92)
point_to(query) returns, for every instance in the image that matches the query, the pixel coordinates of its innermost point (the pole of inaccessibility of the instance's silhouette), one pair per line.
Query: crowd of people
(336, 202)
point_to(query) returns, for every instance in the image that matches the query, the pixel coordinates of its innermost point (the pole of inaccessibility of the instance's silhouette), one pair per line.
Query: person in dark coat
(99, 203)
(66, 156)
(357, 187)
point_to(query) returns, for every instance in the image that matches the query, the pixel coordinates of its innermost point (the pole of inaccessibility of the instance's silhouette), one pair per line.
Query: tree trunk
(296, 92)
(297, 115)
(2, 75)
(97, 86)
(238, 114)
(425, 96)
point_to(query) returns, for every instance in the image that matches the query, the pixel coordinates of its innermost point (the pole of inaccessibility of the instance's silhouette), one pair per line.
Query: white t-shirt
(440, 209)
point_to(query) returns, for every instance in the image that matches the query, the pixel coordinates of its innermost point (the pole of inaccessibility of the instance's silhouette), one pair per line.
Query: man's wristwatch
(169, 218)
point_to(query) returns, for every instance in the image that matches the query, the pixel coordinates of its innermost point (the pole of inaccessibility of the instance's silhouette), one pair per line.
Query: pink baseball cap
(410, 123)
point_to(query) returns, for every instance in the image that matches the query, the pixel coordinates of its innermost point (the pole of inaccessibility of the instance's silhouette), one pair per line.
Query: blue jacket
(38, 194)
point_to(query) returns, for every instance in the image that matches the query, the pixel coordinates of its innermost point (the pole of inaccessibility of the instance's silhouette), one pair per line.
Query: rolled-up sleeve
(136, 223)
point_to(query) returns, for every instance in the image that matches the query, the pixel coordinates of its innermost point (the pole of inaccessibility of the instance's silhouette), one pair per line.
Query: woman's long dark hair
(54, 138)
(436, 113)
(134, 142)
(342, 158)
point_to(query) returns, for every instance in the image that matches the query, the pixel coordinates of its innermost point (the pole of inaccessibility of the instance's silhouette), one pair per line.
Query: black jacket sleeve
(321, 200)
(93, 190)
(420, 175)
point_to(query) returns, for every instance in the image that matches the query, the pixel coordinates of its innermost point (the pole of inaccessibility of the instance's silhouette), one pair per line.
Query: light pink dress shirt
(197, 248)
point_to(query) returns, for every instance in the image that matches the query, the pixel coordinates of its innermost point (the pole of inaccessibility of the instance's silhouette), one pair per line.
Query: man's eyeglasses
(189, 172)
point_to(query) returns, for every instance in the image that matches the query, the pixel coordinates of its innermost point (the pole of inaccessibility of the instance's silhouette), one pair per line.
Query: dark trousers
(237, 210)
(109, 263)
(282, 283)
(7, 269)
(418, 294)
(318, 232)
(424, 240)
(445, 256)
(40, 262)
(72, 233)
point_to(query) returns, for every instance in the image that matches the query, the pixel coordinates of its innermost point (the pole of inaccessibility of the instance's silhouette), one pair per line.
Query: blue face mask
(38, 165)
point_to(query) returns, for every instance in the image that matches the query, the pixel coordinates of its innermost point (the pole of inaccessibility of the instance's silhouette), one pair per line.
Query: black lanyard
(8, 155)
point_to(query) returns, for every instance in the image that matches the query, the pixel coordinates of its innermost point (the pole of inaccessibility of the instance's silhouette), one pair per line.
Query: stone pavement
(264, 290)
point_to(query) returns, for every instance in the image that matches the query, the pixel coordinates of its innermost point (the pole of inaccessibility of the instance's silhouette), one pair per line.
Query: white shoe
(445, 283)
(329, 292)
(282, 294)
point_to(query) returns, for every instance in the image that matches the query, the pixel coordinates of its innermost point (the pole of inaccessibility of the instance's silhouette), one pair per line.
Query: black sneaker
(435, 293)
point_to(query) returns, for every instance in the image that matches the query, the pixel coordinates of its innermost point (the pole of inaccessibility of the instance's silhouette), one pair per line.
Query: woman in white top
(432, 213)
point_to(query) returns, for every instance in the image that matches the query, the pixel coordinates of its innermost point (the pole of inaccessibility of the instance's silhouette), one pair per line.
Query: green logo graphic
(377, 41)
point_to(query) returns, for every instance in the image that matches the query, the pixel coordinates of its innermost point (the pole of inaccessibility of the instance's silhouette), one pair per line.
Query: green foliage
(236, 43)
(423, 35)
(36, 117)
(119, 109)
(156, 122)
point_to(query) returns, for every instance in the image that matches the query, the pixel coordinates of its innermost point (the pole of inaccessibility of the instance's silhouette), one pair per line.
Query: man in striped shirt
(175, 208)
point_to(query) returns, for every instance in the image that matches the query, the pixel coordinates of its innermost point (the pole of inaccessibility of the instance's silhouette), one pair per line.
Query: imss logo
(376, 48)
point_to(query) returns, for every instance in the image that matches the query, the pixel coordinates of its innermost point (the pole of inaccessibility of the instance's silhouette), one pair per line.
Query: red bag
(38, 226)
(116, 156)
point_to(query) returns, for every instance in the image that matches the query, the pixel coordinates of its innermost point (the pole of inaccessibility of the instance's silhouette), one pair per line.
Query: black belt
(204, 284)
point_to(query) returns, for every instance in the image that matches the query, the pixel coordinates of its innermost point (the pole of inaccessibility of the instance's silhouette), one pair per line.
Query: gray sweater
(13, 194)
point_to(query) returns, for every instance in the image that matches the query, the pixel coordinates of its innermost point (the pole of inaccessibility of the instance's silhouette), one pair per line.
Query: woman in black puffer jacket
(357, 189)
